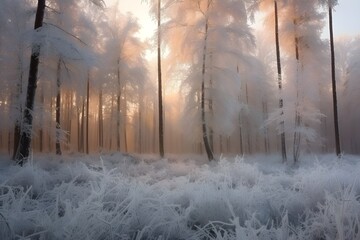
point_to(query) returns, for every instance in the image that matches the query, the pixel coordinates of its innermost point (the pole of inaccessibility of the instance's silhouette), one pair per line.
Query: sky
(346, 16)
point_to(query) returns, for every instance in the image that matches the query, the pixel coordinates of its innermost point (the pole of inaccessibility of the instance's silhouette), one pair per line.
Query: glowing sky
(346, 16)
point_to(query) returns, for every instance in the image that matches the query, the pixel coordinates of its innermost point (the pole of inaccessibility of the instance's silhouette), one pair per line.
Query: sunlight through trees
(216, 86)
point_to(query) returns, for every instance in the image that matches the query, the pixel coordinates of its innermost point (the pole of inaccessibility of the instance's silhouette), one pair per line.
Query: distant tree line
(80, 81)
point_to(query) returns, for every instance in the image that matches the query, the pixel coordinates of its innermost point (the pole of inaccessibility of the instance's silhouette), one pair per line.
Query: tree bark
(161, 120)
(240, 122)
(41, 134)
(82, 129)
(125, 122)
(100, 121)
(118, 143)
(202, 98)
(333, 81)
(279, 71)
(247, 121)
(58, 109)
(87, 112)
(297, 135)
(25, 135)
(17, 128)
(266, 130)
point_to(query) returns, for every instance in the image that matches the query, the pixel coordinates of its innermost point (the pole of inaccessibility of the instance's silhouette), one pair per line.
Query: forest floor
(117, 196)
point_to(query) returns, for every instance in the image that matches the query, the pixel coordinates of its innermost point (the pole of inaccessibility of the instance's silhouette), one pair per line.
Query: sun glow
(140, 10)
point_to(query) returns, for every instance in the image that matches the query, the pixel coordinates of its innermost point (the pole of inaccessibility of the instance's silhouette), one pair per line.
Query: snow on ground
(139, 197)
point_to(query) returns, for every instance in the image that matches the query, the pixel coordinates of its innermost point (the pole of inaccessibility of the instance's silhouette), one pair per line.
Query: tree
(125, 69)
(160, 95)
(25, 134)
(300, 25)
(157, 9)
(208, 149)
(310, 51)
(212, 39)
(333, 81)
(58, 108)
(281, 101)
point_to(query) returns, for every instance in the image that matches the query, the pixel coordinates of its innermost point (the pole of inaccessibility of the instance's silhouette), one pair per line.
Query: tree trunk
(333, 80)
(100, 121)
(49, 135)
(240, 122)
(17, 128)
(111, 123)
(17, 131)
(297, 135)
(118, 146)
(82, 129)
(281, 101)
(266, 130)
(161, 119)
(25, 136)
(78, 114)
(41, 134)
(140, 119)
(202, 100)
(211, 109)
(247, 121)
(87, 112)
(125, 122)
(58, 109)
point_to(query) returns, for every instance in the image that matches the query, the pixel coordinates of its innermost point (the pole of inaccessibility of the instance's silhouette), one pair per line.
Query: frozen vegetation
(140, 197)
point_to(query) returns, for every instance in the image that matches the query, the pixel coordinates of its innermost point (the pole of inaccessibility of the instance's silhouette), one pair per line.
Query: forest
(130, 137)
(97, 88)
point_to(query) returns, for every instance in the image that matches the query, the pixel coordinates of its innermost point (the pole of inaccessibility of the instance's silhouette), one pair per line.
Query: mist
(214, 88)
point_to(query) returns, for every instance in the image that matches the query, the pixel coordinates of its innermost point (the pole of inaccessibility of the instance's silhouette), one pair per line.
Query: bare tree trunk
(161, 119)
(58, 108)
(118, 146)
(17, 128)
(78, 115)
(69, 118)
(87, 111)
(297, 135)
(100, 121)
(247, 121)
(111, 123)
(49, 135)
(202, 100)
(140, 112)
(25, 136)
(281, 101)
(154, 131)
(240, 122)
(211, 132)
(41, 134)
(241, 137)
(333, 81)
(266, 130)
(82, 129)
(125, 122)
(17, 131)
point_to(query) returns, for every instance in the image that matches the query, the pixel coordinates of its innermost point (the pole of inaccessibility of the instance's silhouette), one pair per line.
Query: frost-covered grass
(123, 197)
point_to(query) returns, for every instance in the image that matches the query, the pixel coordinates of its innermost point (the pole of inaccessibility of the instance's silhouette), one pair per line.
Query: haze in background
(346, 16)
